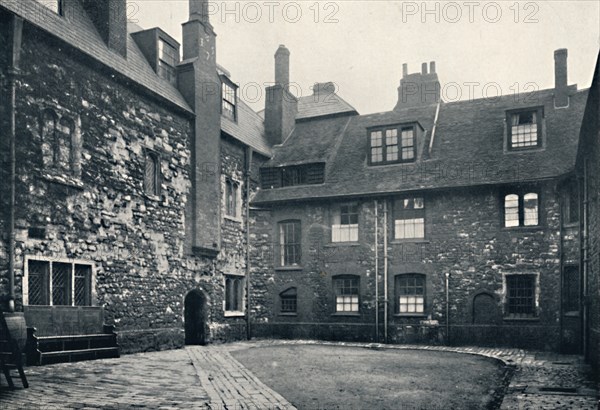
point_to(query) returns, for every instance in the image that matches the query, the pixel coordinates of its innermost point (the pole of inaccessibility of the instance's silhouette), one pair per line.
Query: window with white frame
(344, 227)
(409, 218)
(290, 242)
(390, 145)
(229, 101)
(410, 294)
(346, 290)
(524, 129)
(234, 294)
(59, 283)
(521, 209)
(167, 61)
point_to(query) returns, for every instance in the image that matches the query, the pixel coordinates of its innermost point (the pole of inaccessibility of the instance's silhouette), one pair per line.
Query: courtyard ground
(209, 377)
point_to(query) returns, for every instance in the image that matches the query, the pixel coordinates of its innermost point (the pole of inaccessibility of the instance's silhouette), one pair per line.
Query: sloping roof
(324, 102)
(77, 30)
(249, 128)
(468, 150)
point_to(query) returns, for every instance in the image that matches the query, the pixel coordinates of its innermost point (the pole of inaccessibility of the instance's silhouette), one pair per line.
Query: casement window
(58, 283)
(59, 140)
(345, 223)
(229, 101)
(571, 291)
(234, 294)
(152, 174)
(306, 174)
(290, 238)
(232, 192)
(410, 294)
(409, 218)
(392, 145)
(289, 301)
(346, 290)
(167, 61)
(520, 296)
(521, 209)
(55, 5)
(524, 129)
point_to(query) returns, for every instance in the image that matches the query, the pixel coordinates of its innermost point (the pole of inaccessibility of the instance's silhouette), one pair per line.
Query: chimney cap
(282, 49)
(561, 51)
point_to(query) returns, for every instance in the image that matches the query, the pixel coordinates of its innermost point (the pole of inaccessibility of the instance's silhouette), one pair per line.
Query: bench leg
(7, 375)
(23, 378)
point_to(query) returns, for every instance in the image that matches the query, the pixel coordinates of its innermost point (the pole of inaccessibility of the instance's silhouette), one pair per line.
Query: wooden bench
(11, 354)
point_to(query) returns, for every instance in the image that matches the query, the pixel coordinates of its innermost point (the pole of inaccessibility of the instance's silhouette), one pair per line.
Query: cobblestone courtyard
(208, 377)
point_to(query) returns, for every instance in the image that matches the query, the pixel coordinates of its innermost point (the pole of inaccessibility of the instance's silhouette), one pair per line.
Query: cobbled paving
(208, 377)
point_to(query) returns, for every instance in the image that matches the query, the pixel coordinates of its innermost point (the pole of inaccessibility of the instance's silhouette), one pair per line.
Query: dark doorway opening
(195, 318)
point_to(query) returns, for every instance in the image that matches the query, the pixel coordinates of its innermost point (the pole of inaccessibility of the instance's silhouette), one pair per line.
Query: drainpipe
(561, 221)
(385, 272)
(247, 171)
(15, 33)
(447, 308)
(376, 272)
(585, 256)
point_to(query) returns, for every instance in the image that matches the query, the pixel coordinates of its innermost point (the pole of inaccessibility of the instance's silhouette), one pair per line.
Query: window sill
(288, 268)
(524, 150)
(233, 219)
(154, 198)
(415, 240)
(571, 224)
(336, 244)
(521, 319)
(65, 180)
(349, 314)
(409, 315)
(571, 314)
(289, 314)
(524, 228)
(235, 314)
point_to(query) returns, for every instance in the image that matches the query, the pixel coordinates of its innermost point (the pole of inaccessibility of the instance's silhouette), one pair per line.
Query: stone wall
(90, 204)
(465, 238)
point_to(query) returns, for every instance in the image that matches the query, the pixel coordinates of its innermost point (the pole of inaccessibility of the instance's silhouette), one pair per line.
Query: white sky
(362, 45)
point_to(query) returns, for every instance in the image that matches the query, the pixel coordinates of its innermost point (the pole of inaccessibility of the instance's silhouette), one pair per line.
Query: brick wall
(464, 237)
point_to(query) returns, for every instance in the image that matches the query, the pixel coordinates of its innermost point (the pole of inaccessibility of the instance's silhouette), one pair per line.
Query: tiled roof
(468, 150)
(324, 102)
(249, 128)
(77, 30)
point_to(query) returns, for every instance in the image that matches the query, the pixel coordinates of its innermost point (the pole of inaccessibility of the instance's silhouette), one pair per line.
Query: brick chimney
(418, 89)
(281, 107)
(561, 91)
(199, 83)
(110, 19)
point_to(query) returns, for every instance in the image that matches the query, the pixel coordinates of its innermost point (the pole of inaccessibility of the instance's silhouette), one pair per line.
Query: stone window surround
(52, 171)
(155, 156)
(238, 199)
(50, 259)
(234, 313)
(536, 307)
(541, 131)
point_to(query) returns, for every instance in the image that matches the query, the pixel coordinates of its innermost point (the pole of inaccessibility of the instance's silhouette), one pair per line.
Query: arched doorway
(485, 309)
(195, 318)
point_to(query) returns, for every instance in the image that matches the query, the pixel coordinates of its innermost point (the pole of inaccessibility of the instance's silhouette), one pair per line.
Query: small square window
(289, 301)
(524, 129)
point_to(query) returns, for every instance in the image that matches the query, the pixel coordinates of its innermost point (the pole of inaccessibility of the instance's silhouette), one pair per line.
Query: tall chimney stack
(424, 68)
(282, 66)
(418, 89)
(281, 107)
(404, 70)
(561, 91)
(199, 10)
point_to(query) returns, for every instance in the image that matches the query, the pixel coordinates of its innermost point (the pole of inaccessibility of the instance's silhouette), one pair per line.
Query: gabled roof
(78, 31)
(467, 150)
(248, 129)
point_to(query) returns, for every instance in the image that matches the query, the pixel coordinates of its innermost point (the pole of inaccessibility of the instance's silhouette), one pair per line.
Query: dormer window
(524, 129)
(392, 145)
(229, 101)
(167, 60)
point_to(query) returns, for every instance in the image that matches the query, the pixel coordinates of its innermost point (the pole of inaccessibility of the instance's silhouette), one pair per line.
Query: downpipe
(447, 308)
(385, 272)
(376, 271)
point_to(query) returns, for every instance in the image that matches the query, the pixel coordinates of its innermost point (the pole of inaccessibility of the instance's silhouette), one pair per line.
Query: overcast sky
(500, 46)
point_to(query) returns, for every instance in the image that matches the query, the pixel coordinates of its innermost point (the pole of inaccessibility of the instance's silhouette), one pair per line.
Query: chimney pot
(404, 70)
(282, 66)
(432, 67)
(424, 68)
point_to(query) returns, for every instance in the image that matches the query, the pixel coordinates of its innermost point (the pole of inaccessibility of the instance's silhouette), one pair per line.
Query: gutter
(15, 37)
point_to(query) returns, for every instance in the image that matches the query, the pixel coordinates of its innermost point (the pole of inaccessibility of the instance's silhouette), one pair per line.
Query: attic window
(54, 5)
(306, 174)
(524, 129)
(167, 60)
(229, 101)
(391, 145)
